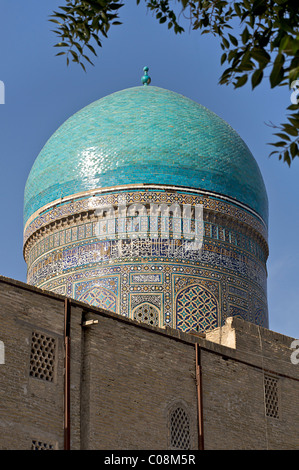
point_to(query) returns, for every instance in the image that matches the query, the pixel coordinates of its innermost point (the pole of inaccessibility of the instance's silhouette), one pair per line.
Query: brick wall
(31, 409)
(135, 377)
(126, 378)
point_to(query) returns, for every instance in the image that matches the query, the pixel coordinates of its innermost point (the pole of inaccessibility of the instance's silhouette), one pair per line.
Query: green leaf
(261, 56)
(259, 7)
(61, 44)
(241, 81)
(225, 43)
(223, 58)
(294, 74)
(75, 56)
(233, 40)
(245, 35)
(294, 149)
(272, 153)
(281, 143)
(291, 130)
(237, 9)
(277, 73)
(284, 43)
(91, 48)
(282, 136)
(256, 78)
(286, 157)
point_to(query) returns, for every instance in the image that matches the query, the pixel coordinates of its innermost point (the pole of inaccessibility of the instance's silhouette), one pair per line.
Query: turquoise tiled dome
(145, 135)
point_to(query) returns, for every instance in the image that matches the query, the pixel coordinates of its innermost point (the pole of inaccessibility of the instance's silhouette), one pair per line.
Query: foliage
(81, 21)
(265, 46)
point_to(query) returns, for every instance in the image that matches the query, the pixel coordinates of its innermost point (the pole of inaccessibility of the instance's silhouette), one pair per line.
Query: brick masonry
(127, 377)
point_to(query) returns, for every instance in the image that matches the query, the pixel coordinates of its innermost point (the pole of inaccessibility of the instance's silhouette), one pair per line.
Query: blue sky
(41, 93)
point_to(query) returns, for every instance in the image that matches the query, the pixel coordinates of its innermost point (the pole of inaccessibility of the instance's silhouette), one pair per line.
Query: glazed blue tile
(145, 135)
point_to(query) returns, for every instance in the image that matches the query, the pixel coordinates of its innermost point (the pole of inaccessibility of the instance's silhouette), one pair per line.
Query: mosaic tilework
(71, 258)
(182, 289)
(146, 313)
(102, 292)
(176, 278)
(259, 316)
(106, 249)
(153, 299)
(220, 281)
(239, 312)
(144, 196)
(196, 309)
(100, 297)
(145, 135)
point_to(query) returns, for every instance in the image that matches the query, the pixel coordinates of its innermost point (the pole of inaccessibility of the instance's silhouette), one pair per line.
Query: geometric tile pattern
(146, 313)
(171, 285)
(259, 318)
(238, 312)
(67, 236)
(196, 309)
(78, 204)
(100, 297)
(149, 146)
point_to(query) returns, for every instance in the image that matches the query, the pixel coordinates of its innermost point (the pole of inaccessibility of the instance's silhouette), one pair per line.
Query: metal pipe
(199, 397)
(67, 340)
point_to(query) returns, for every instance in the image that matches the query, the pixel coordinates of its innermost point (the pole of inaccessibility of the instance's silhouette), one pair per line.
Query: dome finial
(146, 80)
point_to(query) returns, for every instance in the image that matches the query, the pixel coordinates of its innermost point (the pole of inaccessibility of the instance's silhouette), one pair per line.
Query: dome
(145, 135)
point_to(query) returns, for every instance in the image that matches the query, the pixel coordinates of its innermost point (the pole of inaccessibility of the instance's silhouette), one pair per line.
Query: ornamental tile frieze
(154, 280)
(61, 210)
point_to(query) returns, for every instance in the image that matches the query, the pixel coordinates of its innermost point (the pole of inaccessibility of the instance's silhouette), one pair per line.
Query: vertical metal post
(67, 323)
(199, 397)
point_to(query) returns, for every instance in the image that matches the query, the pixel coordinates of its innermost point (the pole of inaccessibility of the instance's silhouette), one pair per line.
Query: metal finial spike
(146, 80)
